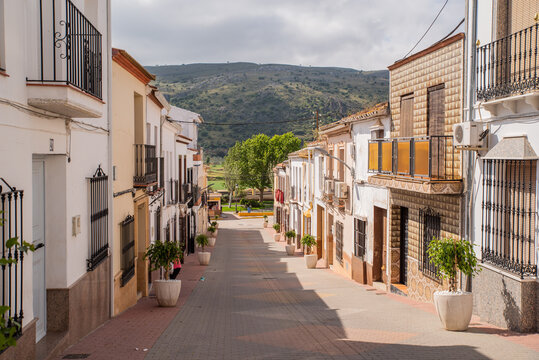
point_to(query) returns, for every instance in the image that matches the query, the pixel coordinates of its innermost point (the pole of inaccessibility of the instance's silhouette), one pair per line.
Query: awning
(512, 148)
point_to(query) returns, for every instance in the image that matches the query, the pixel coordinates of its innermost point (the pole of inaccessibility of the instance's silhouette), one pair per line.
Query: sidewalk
(130, 334)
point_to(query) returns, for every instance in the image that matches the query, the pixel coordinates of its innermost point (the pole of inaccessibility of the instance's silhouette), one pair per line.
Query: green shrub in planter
(265, 218)
(202, 240)
(450, 255)
(290, 234)
(162, 255)
(308, 241)
(211, 229)
(277, 227)
(214, 223)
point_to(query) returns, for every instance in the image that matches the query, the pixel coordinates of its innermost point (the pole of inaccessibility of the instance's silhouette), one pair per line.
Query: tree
(251, 162)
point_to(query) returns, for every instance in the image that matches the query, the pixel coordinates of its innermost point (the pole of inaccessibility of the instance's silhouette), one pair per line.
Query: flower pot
(265, 224)
(211, 241)
(310, 261)
(290, 249)
(276, 237)
(454, 309)
(167, 291)
(203, 257)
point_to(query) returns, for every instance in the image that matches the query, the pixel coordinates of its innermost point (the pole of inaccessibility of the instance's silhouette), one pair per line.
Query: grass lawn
(268, 205)
(216, 177)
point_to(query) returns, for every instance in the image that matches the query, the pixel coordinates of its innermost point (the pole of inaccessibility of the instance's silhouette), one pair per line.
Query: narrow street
(257, 303)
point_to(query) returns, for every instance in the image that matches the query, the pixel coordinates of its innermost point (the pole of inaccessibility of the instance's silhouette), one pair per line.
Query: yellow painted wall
(124, 87)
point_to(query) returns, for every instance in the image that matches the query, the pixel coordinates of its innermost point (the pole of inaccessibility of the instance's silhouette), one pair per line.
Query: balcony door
(436, 125)
(38, 239)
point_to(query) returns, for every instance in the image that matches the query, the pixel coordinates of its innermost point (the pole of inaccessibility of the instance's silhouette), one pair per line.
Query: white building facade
(54, 106)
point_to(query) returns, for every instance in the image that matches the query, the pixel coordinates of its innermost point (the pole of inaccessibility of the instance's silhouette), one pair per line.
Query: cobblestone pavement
(257, 303)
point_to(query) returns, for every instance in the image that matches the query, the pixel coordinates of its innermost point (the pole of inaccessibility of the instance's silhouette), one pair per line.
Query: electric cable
(255, 123)
(426, 32)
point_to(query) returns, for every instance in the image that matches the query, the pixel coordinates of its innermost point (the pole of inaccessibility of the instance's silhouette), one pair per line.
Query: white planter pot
(211, 241)
(203, 257)
(265, 224)
(167, 291)
(454, 309)
(277, 237)
(290, 249)
(310, 261)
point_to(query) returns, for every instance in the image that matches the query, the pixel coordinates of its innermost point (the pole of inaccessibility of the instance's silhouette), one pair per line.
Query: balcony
(145, 165)
(69, 81)
(507, 68)
(186, 193)
(426, 164)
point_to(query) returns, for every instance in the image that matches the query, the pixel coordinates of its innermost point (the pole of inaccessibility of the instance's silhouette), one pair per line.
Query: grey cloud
(350, 33)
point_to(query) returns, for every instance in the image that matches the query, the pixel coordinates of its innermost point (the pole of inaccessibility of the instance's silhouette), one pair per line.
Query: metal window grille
(338, 241)
(360, 234)
(128, 249)
(429, 229)
(145, 165)
(69, 41)
(11, 226)
(99, 215)
(508, 215)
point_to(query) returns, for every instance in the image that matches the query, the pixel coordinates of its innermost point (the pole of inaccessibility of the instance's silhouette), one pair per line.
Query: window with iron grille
(99, 214)
(158, 224)
(508, 215)
(429, 229)
(338, 241)
(360, 234)
(127, 262)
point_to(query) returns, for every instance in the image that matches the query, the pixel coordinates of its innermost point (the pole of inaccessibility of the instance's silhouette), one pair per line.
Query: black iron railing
(11, 226)
(128, 249)
(425, 157)
(145, 165)
(186, 193)
(509, 214)
(429, 228)
(99, 214)
(70, 48)
(508, 65)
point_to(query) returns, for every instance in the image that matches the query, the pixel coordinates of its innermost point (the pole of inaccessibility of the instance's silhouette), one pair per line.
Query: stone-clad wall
(442, 64)
(420, 287)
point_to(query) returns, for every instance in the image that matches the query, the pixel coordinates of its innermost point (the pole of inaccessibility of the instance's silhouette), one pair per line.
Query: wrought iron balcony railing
(426, 157)
(145, 165)
(70, 48)
(186, 193)
(508, 66)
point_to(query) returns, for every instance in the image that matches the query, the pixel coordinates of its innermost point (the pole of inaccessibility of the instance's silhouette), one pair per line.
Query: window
(338, 241)
(158, 224)
(508, 215)
(436, 110)
(127, 262)
(321, 173)
(360, 234)
(99, 211)
(167, 232)
(377, 134)
(407, 116)
(429, 229)
(341, 164)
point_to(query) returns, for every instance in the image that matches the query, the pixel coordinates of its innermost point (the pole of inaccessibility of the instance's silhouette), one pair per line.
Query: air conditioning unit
(467, 134)
(341, 190)
(329, 187)
(352, 150)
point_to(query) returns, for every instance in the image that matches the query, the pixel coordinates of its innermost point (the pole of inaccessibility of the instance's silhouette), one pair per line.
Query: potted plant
(265, 220)
(290, 234)
(215, 224)
(308, 241)
(161, 256)
(203, 256)
(277, 228)
(212, 235)
(454, 306)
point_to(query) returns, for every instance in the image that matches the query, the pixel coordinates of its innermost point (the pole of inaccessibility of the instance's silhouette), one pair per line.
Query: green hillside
(248, 92)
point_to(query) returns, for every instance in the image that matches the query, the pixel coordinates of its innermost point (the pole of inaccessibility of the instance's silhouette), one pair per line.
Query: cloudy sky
(360, 34)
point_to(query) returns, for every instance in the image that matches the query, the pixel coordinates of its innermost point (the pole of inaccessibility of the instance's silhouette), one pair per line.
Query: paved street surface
(257, 303)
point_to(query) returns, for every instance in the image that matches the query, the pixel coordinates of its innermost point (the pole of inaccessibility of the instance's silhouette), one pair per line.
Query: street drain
(76, 356)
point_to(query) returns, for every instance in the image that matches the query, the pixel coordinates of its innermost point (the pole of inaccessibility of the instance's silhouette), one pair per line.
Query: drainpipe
(109, 160)
(470, 86)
